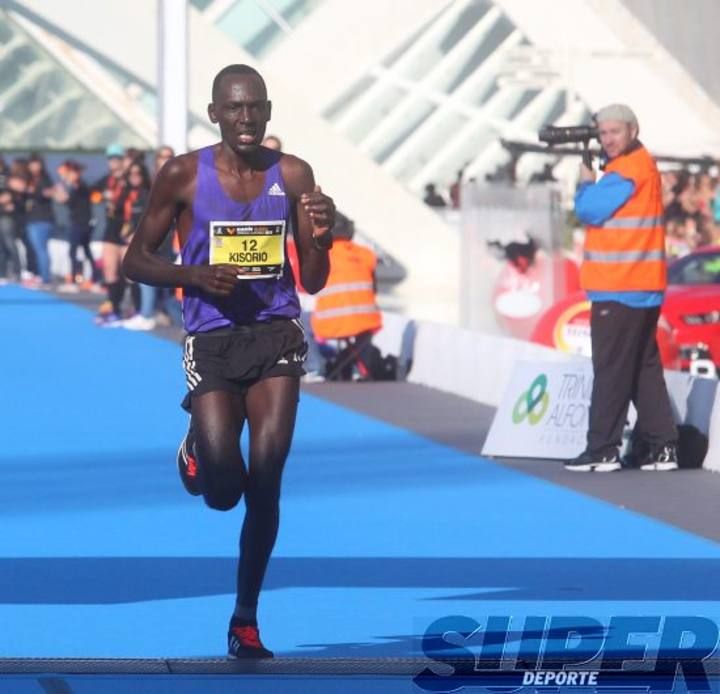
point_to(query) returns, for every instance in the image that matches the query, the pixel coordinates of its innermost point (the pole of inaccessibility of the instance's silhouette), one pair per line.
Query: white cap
(619, 112)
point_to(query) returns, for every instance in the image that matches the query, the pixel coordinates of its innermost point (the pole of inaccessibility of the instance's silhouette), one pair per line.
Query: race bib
(256, 247)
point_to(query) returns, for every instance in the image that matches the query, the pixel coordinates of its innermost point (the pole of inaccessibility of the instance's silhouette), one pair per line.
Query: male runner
(233, 203)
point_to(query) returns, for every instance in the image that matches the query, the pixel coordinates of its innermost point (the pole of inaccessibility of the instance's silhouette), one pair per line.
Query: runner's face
(242, 111)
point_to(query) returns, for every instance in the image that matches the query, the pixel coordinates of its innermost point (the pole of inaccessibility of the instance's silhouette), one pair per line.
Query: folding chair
(350, 349)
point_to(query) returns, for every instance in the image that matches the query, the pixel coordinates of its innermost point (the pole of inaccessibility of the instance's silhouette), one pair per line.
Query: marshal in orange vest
(347, 307)
(627, 253)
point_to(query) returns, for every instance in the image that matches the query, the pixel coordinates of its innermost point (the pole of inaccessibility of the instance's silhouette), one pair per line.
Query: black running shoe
(663, 460)
(187, 464)
(587, 462)
(244, 642)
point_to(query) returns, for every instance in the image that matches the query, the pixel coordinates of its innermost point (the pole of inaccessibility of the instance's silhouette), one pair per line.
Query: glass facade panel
(340, 105)
(244, 21)
(464, 22)
(416, 115)
(426, 147)
(374, 110)
(500, 31)
(257, 25)
(456, 73)
(42, 106)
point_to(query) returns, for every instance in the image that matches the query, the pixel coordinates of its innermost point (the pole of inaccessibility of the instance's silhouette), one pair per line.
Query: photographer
(624, 275)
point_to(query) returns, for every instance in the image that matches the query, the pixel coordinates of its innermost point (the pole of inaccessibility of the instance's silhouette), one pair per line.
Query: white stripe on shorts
(192, 377)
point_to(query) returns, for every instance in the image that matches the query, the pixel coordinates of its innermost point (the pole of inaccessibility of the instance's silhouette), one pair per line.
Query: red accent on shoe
(188, 467)
(248, 636)
(191, 466)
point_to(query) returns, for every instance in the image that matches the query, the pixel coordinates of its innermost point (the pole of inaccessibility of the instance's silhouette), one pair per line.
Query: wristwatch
(324, 242)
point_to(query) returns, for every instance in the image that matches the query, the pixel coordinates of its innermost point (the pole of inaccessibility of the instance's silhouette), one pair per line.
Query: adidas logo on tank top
(275, 189)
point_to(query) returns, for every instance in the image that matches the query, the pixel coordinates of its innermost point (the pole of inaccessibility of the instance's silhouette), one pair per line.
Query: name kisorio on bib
(258, 248)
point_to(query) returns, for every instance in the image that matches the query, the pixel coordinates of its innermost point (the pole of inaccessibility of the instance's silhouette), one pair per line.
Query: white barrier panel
(471, 364)
(712, 459)
(396, 337)
(544, 412)
(692, 398)
(693, 401)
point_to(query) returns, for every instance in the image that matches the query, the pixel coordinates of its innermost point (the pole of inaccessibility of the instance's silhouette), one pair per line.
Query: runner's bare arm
(315, 215)
(171, 191)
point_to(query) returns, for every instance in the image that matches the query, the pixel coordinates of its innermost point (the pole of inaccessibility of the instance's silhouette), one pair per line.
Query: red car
(689, 325)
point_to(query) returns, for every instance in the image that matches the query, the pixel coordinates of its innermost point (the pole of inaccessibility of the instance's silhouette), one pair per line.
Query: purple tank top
(253, 300)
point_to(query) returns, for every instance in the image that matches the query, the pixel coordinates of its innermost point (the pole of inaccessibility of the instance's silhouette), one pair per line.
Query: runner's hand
(321, 210)
(219, 280)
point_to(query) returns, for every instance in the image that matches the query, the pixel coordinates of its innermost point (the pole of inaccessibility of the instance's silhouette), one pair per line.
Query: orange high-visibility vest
(176, 249)
(627, 253)
(346, 306)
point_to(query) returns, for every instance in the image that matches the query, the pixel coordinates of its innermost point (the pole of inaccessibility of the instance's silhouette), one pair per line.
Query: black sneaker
(587, 462)
(187, 464)
(663, 460)
(244, 642)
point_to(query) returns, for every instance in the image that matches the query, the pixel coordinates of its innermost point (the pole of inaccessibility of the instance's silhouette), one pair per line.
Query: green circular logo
(533, 403)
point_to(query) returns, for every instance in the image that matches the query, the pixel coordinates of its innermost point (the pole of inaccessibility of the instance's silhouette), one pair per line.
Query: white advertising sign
(544, 412)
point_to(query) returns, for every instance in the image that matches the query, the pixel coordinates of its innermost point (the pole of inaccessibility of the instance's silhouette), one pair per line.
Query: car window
(700, 269)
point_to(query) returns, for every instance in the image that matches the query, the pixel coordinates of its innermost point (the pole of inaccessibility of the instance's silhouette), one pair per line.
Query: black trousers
(627, 368)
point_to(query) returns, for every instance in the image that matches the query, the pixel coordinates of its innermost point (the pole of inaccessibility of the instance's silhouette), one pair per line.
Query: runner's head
(240, 107)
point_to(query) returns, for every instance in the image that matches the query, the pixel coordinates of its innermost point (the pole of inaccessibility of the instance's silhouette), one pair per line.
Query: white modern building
(381, 97)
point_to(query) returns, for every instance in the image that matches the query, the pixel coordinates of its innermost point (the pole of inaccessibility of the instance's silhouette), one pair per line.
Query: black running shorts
(233, 359)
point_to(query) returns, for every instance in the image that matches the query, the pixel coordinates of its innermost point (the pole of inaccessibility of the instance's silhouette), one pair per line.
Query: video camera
(554, 135)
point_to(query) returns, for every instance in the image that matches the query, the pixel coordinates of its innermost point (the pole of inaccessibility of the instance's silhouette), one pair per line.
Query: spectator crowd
(94, 219)
(692, 210)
